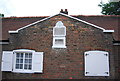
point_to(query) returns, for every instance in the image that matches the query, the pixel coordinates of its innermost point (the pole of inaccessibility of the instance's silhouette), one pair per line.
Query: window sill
(22, 71)
(59, 47)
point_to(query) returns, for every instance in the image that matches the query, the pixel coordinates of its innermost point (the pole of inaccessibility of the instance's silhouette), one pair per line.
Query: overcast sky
(49, 7)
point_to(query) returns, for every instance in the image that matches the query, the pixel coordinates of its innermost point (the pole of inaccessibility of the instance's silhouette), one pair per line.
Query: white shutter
(38, 62)
(7, 57)
(96, 63)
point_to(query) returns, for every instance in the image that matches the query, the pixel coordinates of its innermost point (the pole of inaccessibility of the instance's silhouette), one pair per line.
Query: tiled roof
(106, 21)
(14, 23)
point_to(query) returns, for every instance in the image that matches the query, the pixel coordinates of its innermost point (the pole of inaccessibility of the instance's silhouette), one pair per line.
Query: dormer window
(59, 35)
(59, 29)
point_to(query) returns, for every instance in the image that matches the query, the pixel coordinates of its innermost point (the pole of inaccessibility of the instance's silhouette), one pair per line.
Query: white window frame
(14, 61)
(59, 24)
(60, 45)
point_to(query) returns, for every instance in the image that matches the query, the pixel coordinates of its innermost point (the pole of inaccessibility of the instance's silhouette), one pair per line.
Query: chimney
(1, 15)
(65, 12)
(61, 11)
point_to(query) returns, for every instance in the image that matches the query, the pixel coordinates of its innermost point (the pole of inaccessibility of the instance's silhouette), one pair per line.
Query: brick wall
(65, 63)
(117, 61)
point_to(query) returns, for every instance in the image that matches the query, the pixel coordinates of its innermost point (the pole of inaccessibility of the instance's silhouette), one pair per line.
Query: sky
(49, 7)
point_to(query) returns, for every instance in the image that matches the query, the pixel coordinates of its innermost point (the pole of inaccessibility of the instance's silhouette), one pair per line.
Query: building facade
(60, 47)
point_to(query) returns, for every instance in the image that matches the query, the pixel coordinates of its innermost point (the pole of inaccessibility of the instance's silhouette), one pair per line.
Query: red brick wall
(65, 63)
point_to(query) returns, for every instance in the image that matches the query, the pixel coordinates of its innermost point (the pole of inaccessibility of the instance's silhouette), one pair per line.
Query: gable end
(105, 31)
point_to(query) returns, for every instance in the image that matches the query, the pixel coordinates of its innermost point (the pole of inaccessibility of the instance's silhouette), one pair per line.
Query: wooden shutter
(38, 62)
(96, 63)
(7, 58)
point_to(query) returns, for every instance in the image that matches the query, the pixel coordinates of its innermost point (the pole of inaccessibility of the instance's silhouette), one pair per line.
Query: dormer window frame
(59, 36)
(59, 26)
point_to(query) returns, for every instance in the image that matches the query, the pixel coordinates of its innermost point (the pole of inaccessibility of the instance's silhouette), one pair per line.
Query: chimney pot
(65, 12)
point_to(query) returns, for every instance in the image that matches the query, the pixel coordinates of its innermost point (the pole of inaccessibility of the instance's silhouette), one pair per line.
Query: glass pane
(21, 60)
(25, 66)
(21, 66)
(30, 67)
(30, 61)
(21, 55)
(17, 66)
(30, 55)
(26, 60)
(17, 60)
(17, 55)
(59, 41)
(26, 55)
(59, 31)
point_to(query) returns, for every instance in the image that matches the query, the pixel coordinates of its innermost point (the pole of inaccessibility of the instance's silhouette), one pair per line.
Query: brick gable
(61, 63)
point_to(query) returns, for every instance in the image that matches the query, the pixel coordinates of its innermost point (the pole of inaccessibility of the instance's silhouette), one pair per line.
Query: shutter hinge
(106, 54)
(86, 72)
(86, 54)
(106, 72)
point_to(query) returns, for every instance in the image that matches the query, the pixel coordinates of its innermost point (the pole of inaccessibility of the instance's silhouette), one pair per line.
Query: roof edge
(108, 31)
(63, 15)
(13, 31)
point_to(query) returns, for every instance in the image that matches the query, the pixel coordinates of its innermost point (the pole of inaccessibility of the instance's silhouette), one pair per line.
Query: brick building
(60, 47)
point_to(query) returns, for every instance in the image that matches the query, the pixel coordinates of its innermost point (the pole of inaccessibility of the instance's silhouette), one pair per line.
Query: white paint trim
(59, 47)
(110, 31)
(97, 51)
(116, 44)
(83, 21)
(63, 15)
(4, 43)
(31, 24)
(13, 31)
(24, 50)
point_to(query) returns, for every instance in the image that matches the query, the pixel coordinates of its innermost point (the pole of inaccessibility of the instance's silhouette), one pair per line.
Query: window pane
(17, 55)
(30, 67)
(17, 66)
(21, 60)
(21, 66)
(59, 31)
(26, 55)
(25, 66)
(58, 41)
(21, 55)
(26, 60)
(30, 55)
(30, 61)
(17, 60)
